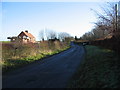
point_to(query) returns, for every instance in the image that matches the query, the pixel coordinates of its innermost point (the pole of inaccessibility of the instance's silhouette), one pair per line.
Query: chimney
(26, 31)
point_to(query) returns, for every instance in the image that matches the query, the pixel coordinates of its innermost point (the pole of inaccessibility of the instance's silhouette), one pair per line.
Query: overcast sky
(74, 18)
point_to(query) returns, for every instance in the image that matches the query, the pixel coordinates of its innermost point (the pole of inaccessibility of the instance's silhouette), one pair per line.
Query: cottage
(23, 37)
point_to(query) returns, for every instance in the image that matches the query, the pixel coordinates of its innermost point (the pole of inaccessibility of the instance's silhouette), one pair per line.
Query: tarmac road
(52, 72)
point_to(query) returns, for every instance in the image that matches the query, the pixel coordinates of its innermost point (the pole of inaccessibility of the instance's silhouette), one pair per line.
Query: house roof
(27, 34)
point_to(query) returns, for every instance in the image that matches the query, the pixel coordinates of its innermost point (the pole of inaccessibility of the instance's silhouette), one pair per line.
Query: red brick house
(23, 37)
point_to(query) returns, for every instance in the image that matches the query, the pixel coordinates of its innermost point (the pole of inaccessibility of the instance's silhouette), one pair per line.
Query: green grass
(5, 41)
(11, 64)
(98, 70)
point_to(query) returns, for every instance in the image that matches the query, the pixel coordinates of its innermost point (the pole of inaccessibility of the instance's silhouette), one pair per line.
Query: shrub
(17, 54)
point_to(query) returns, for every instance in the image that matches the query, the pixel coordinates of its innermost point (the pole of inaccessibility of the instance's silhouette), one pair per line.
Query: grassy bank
(15, 56)
(100, 69)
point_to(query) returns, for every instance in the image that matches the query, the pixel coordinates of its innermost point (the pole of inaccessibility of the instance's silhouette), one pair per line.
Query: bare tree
(87, 36)
(63, 35)
(107, 19)
(106, 24)
(98, 33)
(50, 34)
(41, 34)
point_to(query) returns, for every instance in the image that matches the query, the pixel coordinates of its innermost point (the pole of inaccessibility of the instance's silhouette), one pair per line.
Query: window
(24, 37)
(19, 36)
(28, 38)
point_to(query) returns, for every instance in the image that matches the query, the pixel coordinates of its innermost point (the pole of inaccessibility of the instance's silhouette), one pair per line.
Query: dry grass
(17, 54)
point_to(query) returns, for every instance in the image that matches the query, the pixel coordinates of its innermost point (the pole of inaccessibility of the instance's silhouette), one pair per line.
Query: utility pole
(119, 15)
(116, 18)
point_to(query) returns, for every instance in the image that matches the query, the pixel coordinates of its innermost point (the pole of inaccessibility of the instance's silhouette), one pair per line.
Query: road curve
(52, 72)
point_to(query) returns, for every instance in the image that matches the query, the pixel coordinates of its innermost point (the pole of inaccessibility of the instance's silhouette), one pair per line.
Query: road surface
(52, 72)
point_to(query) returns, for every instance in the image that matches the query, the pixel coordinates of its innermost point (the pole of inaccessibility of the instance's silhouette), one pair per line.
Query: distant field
(100, 69)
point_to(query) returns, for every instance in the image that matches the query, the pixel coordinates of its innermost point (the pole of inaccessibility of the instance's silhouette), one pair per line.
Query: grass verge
(12, 64)
(100, 69)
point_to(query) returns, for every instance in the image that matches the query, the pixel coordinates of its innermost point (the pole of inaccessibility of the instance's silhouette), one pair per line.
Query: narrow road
(52, 72)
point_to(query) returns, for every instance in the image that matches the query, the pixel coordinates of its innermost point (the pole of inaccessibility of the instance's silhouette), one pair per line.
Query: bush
(18, 54)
